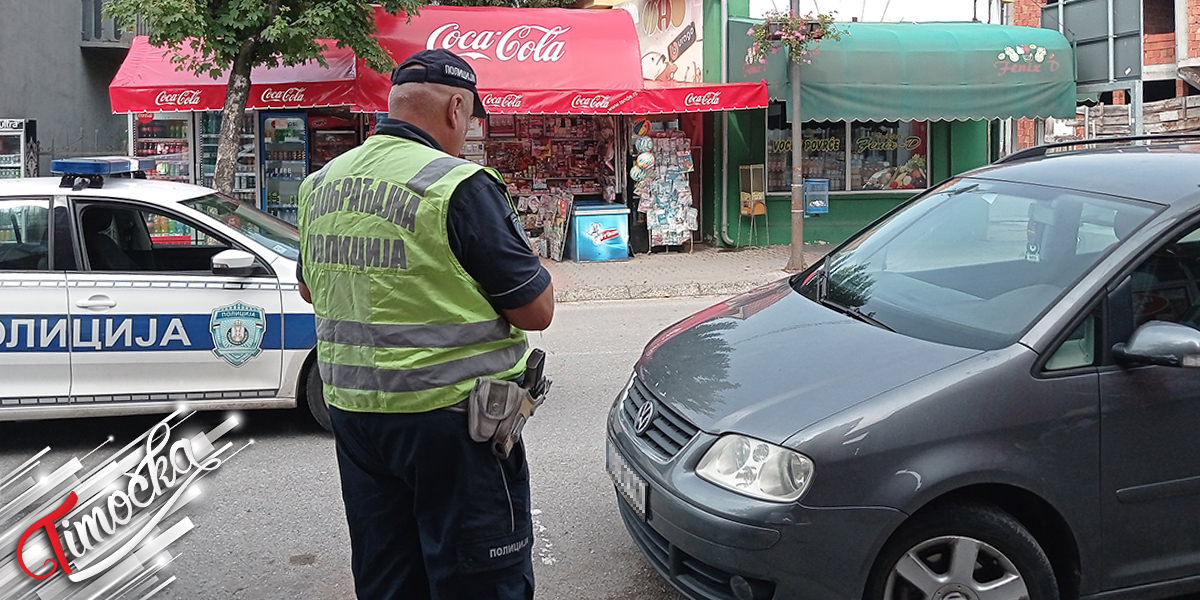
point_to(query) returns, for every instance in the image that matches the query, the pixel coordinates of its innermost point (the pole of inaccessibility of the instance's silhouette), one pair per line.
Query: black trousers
(432, 514)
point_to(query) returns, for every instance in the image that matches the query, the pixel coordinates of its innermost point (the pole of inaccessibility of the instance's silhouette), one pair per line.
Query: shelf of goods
(245, 178)
(10, 166)
(168, 142)
(169, 166)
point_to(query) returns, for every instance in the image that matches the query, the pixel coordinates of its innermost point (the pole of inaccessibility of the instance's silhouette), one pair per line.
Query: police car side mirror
(238, 263)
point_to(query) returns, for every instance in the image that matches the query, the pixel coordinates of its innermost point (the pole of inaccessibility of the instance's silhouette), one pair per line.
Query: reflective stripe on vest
(422, 378)
(447, 335)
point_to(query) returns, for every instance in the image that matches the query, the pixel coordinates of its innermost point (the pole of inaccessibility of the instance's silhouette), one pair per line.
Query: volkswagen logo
(645, 417)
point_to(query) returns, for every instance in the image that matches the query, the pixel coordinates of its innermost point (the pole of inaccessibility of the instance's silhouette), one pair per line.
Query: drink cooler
(598, 232)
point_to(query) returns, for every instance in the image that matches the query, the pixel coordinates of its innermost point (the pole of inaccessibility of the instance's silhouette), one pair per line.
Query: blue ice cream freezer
(598, 231)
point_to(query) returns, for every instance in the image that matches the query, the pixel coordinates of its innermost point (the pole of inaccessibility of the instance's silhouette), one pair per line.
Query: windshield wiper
(854, 312)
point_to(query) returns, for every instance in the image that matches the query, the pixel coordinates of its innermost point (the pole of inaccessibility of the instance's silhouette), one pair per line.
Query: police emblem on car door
(237, 332)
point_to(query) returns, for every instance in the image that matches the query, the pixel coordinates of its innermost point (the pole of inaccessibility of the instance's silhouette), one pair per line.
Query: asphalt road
(269, 523)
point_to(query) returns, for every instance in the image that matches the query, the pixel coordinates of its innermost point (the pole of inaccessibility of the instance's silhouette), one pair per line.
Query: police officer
(422, 280)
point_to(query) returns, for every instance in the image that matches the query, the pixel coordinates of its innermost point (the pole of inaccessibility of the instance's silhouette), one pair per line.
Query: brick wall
(1158, 22)
(1029, 14)
(1193, 35)
(1158, 48)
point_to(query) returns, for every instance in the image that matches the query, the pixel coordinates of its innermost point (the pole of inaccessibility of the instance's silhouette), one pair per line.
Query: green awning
(922, 71)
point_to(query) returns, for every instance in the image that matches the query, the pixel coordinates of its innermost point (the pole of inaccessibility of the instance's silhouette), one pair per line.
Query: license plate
(631, 485)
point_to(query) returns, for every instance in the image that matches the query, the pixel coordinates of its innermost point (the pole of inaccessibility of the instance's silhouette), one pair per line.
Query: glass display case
(285, 161)
(165, 137)
(18, 148)
(330, 135)
(245, 178)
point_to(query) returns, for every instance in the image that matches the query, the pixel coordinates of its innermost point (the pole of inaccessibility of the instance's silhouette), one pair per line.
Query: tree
(214, 37)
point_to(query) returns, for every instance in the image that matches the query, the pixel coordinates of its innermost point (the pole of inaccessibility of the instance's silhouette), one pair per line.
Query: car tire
(919, 561)
(314, 395)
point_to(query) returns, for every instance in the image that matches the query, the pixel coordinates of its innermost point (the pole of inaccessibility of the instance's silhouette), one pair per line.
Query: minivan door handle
(97, 301)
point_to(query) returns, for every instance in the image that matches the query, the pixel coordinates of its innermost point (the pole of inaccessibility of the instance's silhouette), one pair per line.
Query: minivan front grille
(668, 431)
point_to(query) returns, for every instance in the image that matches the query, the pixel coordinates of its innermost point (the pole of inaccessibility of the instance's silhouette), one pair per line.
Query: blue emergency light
(101, 165)
(78, 173)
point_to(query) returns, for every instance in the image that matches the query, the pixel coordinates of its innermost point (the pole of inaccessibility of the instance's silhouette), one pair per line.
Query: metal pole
(796, 260)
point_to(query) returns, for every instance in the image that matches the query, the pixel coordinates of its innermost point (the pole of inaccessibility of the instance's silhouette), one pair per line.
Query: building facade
(1152, 84)
(59, 58)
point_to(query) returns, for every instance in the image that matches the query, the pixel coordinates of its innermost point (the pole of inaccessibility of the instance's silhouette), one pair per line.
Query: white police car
(120, 295)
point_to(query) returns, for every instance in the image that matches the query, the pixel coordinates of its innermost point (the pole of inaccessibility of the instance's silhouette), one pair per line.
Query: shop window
(858, 156)
(779, 149)
(888, 155)
(825, 153)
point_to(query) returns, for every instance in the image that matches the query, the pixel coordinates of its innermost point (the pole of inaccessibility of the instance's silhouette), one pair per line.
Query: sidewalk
(707, 271)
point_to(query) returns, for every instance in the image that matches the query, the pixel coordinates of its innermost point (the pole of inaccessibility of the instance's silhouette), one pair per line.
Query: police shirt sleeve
(487, 238)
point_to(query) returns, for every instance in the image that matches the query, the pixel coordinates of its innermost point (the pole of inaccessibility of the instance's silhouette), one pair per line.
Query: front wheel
(314, 393)
(962, 552)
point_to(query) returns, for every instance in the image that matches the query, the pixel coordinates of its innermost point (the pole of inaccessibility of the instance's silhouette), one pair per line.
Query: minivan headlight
(757, 469)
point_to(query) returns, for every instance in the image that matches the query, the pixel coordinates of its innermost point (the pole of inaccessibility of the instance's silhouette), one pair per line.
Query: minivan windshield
(974, 262)
(279, 236)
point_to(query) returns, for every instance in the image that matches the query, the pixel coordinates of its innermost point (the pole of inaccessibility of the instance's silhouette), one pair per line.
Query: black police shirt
(485, 234)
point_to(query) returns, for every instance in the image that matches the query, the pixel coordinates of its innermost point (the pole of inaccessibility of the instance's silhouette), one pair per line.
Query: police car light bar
(101, 165)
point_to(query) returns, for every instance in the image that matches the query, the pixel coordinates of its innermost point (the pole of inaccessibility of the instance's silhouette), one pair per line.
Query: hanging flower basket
(800, 33)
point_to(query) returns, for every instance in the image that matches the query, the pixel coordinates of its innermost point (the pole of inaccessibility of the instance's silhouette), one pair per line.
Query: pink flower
(762, 61)
(815, 51)
(750, 31)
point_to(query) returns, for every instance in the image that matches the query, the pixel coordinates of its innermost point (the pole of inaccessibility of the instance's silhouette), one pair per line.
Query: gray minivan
(989, 393)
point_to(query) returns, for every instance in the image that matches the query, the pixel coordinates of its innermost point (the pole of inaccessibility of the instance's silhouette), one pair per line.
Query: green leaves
(211, 35)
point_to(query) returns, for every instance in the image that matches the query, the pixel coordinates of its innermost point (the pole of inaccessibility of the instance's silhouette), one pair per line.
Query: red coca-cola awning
(658, 97)
(528, 61)
(148, 81)
(546, 61)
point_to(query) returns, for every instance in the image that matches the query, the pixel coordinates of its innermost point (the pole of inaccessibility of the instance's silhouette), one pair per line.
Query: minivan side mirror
(1161, 343)
(237, 263)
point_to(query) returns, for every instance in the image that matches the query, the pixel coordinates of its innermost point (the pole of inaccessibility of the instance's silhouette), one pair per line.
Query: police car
(122, 295)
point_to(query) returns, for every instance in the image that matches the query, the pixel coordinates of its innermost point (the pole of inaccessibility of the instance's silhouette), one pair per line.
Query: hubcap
(954, 568)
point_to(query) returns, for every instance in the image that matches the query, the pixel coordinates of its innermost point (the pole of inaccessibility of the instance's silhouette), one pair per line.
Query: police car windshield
(280, 236)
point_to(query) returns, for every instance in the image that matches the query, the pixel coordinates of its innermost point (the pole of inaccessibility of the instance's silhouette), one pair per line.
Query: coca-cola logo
(292, 94)
(181, 98)
(597, 101)
(502, 100)
(705, 99)
(520, 43)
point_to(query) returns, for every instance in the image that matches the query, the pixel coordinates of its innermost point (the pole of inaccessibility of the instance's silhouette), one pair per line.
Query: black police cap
(439, 66)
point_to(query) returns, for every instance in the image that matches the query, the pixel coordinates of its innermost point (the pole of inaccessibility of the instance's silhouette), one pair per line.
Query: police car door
(34, 348)
(154, 323)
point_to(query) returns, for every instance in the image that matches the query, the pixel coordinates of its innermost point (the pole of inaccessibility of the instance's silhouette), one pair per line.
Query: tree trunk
(229, 141)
